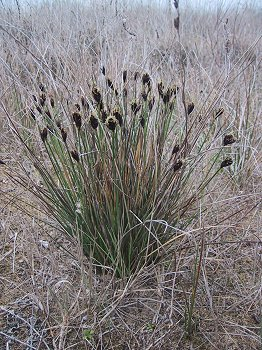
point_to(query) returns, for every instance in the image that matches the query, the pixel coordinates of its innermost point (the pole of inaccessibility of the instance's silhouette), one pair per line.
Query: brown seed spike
(151, 103)
(124, 76)
(136, 75)
(64, 135)
(94, 122)
(178, 164)
(43, 134)
(75, 155)
(227, 162)
(111, 123)
(135, 107)
(146, 79)
(103, 116)
(142, 122)
(77, 106)
(41, 87)
(58, 124)
(176, 23)
(96, 94)
(2, 162)
(176, 149)
(190, 108)
(110, 84)
(228, 140)
(103, 70)
(118, 116)
(160, 88)
(84, 103)
(77, 119)
(52, 102)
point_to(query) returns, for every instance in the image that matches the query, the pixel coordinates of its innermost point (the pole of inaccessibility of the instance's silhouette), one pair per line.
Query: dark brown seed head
(219, 112)
(178, 164)
(43, 134)
(103, 70)
(64, 134)
(96, 94)
(227, 162)
(190, 108)
(52, 102)
(142, 121)
(84, 102)
(125, 92)
(228, 140)
(146, 79)
(174, 90)
(110, 84)
(2, 162)
(136, 75)
(160, 88)
(111, 123)
(103, 116)
(135, 107)
(75, 155)
(176, 3)
(94, 121)
(176, 23)
(124, 76)
(41, 87)
(144, 95)
(34, 98)
(42, 99)
(77, 119)
(151, 103)
(116, 113)
(58, 124)
(166, 97)
(77, 106)
(176, 148)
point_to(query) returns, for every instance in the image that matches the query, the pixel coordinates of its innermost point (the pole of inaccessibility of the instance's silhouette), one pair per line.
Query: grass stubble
(156, 137)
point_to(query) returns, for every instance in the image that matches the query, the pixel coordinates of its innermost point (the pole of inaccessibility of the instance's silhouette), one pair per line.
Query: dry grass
(51, 296)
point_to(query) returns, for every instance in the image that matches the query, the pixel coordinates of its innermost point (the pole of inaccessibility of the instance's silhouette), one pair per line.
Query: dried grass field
(130, 176)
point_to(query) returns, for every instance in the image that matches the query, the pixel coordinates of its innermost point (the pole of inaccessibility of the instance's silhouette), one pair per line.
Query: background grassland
(205, 291)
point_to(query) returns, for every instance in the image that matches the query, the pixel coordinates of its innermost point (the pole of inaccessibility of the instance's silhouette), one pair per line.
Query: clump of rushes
(116, 187)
